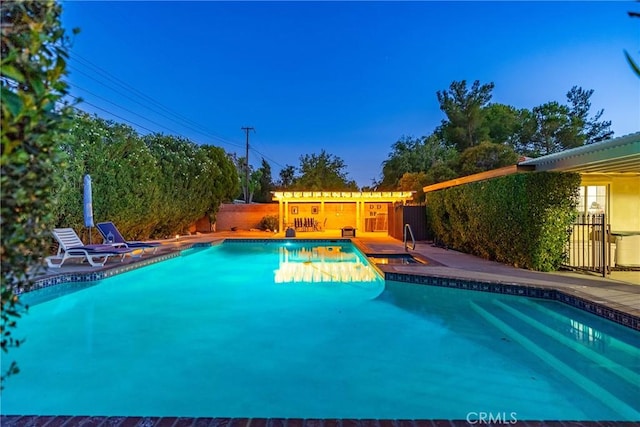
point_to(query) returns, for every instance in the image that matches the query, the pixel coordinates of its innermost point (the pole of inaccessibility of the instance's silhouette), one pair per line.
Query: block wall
(245, 217)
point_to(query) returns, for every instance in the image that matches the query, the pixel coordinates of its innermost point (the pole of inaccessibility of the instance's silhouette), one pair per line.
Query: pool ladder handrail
(407, 227)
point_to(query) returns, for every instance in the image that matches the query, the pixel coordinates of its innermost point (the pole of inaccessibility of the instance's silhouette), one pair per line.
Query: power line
(145, 106)
(109, 112)
(127, 86)
(122, 84)
(144, 118)
(266, 157)
(140, 94)
(127, 110)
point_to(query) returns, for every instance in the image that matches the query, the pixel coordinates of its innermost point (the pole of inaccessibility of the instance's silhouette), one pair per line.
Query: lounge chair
(70, 246)
(110, 234)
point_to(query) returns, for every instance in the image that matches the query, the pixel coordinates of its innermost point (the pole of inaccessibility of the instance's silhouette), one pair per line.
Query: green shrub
(519, 219)
(151, 186)
(34, 119)
(269, 222)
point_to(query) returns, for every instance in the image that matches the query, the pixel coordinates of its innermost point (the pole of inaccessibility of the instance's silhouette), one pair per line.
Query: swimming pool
(309, 330)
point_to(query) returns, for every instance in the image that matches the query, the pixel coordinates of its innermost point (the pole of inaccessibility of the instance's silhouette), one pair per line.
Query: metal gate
(588, 247)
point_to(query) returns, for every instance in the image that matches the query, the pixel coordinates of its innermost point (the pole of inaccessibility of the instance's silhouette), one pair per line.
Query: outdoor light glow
(342, 195)
(322, 265)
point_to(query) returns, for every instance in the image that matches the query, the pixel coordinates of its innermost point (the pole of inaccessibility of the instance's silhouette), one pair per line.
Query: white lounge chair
(70, 246)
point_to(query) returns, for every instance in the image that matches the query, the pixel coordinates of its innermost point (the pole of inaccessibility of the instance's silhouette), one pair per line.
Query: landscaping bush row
(519, 219)
(150, 186)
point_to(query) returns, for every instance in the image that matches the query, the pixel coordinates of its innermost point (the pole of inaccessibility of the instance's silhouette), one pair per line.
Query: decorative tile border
(67, 421)
(114, 269)
(95, 276)
(589, 306)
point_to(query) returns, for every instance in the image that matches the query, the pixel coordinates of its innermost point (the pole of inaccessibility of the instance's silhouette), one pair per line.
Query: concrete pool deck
(619, 291)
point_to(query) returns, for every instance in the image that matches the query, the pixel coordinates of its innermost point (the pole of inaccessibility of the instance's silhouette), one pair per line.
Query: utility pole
(246, 165)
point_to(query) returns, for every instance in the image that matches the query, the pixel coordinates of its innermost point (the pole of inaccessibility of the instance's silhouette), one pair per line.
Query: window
(593, 199)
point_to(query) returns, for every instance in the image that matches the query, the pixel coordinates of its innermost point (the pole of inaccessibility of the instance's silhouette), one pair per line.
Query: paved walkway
(620, 291)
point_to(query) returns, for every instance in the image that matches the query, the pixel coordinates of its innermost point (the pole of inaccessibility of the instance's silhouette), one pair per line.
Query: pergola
(359, 198)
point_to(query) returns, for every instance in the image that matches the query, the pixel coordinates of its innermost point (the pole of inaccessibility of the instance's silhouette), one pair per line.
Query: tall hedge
(123, 173)
(520, 219)
(150, 186)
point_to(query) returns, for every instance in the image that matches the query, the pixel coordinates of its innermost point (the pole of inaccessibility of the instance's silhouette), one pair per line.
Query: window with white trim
(592, 199)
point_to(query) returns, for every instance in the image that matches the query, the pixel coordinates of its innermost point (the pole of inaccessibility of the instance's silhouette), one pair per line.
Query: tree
(255, 176)
(554, 131)
(323, 171)
(440, 172)
(414, 181)
(464, 109)
(254, 183)
(507, 125)
(413, 155)
(266, 183)
(222, 179)
(34, 49)
(555, 127)
(287, 177)
(486, 156)
(404, 158)
(591, 129)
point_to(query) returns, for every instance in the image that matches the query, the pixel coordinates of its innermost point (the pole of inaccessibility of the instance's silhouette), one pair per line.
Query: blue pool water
(267, 330)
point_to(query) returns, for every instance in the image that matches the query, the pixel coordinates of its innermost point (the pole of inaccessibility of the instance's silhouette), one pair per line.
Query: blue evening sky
(347, 77)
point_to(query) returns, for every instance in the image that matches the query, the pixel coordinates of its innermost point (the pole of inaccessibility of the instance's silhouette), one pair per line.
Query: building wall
(332, 216)
(624, 199)
(625, 204)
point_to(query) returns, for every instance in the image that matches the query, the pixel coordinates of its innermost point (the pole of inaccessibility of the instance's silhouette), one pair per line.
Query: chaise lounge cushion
(111, 234)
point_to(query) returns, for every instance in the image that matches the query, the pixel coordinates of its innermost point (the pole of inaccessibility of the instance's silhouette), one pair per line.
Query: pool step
(615, 368)
(613, 341)
(600, 394)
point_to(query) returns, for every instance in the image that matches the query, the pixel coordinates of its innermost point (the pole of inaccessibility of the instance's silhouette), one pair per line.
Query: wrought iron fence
(589, 244)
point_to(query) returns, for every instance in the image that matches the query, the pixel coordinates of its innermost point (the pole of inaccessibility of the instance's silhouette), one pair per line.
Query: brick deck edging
(69, 421)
